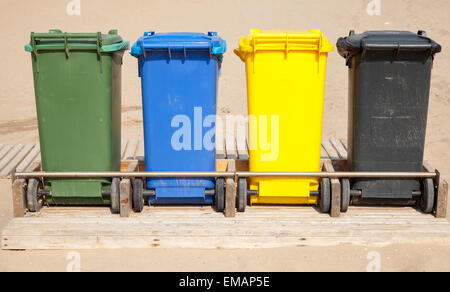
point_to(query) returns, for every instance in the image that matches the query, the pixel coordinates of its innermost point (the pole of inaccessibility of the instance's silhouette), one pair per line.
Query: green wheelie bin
(77, 80)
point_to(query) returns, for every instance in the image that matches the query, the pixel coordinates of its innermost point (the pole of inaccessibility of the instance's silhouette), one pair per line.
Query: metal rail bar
(225, 174)
(340, 174)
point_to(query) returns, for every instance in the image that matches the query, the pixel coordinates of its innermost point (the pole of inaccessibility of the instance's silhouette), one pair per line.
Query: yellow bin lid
(287, 41)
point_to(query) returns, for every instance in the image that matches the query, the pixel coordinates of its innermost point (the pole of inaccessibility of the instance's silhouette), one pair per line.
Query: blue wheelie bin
(179, 74)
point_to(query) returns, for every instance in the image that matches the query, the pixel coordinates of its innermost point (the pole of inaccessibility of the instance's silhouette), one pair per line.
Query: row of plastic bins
(77, 81)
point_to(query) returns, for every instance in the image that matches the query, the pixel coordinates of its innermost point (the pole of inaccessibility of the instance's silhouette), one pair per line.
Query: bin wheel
(242, 195)
(115, 196)
(345, 195)
(220, 195)
(428, 194)
(138, 195)
(325, 195)
(34, 201)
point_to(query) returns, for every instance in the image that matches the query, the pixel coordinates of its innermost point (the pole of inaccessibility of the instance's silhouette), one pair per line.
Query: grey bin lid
(385, 41)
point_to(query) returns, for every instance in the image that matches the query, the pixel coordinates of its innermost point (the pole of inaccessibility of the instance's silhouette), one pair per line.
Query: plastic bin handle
(395, 46)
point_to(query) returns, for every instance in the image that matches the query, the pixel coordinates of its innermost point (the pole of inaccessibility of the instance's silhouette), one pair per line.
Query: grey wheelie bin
(389, 85)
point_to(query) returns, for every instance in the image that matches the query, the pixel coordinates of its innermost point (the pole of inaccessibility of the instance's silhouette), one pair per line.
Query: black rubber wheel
(34, 202)
(345, 195)
(428, 196)
(219, 199)
(115, 196)
(325, 195)
(242, 195)
(138, 195)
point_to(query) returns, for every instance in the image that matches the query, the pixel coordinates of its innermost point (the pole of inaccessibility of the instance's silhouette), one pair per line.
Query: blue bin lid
(179, 41)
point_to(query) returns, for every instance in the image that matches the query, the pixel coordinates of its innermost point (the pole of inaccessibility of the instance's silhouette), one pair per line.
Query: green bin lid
(57, 40)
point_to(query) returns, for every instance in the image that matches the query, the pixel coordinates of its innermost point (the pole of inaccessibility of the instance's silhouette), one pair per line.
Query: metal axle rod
(225, 174)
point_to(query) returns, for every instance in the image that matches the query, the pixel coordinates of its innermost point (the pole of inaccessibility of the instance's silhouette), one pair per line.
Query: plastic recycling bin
(286, 83)
(179, 73)
(389, 85)
(77, 80)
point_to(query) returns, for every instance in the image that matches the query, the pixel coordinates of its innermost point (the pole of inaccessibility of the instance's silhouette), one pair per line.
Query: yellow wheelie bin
(285, 86)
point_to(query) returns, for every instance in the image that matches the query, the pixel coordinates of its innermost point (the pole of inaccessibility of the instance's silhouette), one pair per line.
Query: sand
(231, 19)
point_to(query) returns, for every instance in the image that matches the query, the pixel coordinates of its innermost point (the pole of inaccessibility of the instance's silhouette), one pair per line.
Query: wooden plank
(230, 148)
(222, 165)
(342, 152)
(259, 227)
(242, 148)
(10, 156)
(19, 198)
(220, 149)
(344, 144)
(442, 199)
(323, 153)
(442, 191)
(332, 153)
(124, 145)
(35, 166)
(230, 193)
(5, 151)
(126, 198)
(335, 191)
(130, 153)
(29, 158)
(16, 160)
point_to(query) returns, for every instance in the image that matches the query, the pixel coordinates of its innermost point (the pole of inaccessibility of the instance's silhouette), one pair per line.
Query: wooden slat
(243, 153)
(335, 191)
(124, 145)
(5, 151)
(19, 198)
(258, 227)
(332, 153)
(230, 193)
(344, 144)
(230, 148)
(10, 156)
(323, 153)
(241, 146)
(220, 149)
(130, 153)
(442, 200)
(11, 166)
(126, 198)
(337, 144)
(442, 191)
(29, 158)
(35, 166)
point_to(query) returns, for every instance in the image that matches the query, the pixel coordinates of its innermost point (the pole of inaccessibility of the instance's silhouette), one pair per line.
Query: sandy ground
(231, 19)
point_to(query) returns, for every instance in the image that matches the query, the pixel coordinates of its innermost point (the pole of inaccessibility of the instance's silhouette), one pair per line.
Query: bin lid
(395, 41)
(289, 40)
(179, 41)
(57, 40)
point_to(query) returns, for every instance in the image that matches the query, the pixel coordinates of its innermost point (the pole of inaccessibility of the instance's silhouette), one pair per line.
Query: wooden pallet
(333, 158)
(195, 227)
(19, 158)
